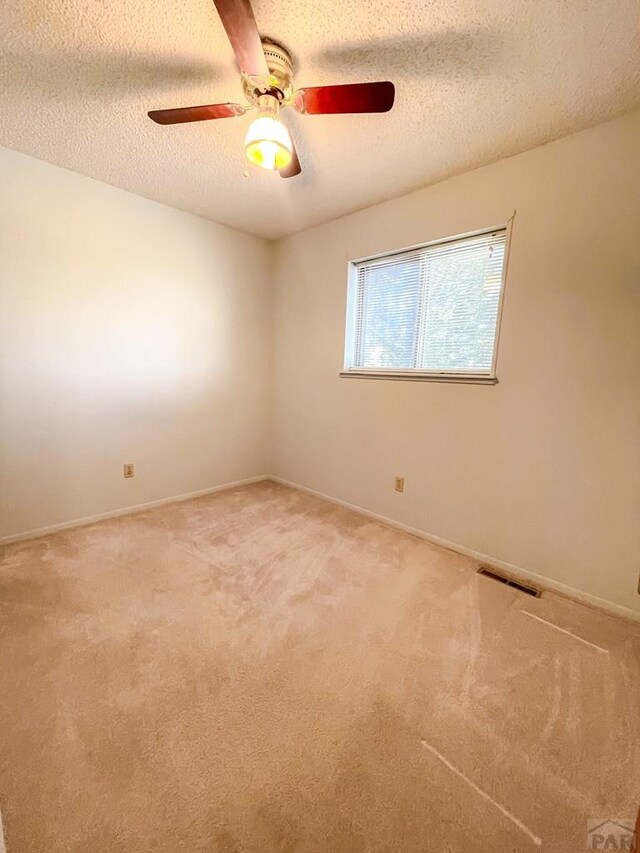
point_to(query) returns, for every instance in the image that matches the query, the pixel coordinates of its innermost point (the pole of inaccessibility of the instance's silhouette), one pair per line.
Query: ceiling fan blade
(294, 168)
(205, 113)
(242, 31)
(348, 98)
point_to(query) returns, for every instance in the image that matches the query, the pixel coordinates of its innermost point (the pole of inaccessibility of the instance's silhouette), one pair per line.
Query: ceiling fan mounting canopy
(267, 82)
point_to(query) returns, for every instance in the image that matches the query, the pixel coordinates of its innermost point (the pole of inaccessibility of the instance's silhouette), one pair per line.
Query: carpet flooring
(260, 670)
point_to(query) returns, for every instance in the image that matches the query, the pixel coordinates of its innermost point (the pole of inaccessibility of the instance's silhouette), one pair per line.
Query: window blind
(429, 310)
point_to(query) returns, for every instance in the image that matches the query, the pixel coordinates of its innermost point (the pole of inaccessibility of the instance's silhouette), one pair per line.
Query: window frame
(489, 377)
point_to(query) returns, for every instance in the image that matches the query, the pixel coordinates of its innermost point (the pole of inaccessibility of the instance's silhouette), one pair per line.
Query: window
(431, 312)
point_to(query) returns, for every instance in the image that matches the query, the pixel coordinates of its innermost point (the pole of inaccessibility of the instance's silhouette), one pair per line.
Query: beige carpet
(259, 670)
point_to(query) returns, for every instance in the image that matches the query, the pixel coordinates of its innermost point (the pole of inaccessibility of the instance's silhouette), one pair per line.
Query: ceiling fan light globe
(268, 144)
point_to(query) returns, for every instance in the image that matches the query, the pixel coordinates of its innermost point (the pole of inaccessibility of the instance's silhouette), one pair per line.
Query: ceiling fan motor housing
(279, 63)
(279, 82)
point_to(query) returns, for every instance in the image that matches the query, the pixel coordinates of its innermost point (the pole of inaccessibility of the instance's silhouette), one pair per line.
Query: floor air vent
(496, 576)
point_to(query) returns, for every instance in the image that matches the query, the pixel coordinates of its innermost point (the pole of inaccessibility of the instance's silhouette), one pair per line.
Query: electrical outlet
(129, 470)
(399, 486)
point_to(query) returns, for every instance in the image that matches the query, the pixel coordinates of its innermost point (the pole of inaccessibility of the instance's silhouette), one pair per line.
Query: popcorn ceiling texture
(476, 81)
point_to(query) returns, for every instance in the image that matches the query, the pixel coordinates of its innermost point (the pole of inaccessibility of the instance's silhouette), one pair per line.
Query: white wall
(541, 471)
(130, 332)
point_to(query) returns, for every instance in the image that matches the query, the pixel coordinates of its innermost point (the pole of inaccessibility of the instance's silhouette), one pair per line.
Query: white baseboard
(509, 568)
(128, 510)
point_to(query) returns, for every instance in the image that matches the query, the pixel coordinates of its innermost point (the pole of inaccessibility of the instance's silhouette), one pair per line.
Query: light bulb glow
(267, 143)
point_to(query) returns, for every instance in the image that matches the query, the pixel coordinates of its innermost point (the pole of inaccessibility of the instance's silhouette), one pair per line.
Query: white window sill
(418, 376)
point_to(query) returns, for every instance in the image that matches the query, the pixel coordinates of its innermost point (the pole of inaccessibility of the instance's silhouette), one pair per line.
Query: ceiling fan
(267, 72)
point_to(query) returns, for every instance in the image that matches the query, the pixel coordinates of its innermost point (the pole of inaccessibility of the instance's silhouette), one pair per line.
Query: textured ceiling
(476, 80)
